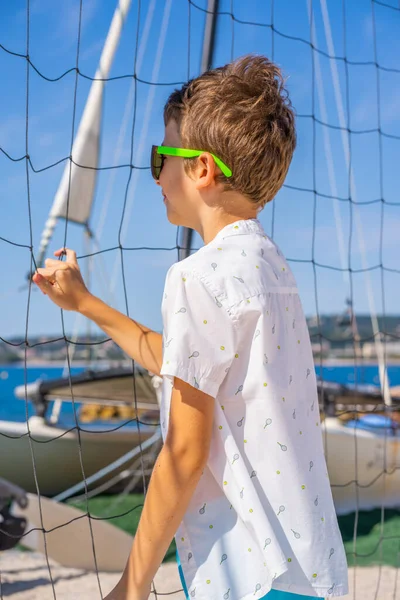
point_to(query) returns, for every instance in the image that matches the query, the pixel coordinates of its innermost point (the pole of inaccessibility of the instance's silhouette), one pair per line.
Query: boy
(241, 480)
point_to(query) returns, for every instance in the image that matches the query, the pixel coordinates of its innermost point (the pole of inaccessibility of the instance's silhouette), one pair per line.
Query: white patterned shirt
(262, 515)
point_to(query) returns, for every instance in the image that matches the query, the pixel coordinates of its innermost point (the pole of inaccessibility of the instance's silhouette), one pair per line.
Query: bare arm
(139, 342)
(62, 282)
(174, 479)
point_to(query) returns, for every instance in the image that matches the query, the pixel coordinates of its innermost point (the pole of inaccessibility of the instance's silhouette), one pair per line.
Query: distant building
(392, 349)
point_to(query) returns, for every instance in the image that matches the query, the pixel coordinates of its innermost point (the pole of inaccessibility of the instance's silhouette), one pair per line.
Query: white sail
(74, 197)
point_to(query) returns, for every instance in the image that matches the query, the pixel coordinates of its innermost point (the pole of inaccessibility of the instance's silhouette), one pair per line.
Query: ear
(206, 171)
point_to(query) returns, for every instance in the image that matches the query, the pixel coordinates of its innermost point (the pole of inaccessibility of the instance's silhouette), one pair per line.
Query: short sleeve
(199, 333)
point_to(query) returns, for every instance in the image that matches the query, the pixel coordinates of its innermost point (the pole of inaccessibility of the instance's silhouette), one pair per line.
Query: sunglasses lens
(156, 163)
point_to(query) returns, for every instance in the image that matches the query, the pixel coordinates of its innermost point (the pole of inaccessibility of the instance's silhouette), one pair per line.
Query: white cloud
(12, 131)
(93, 49)
(65, 14)
(69, 17)
(45, 140)
(368, 27)
(390, 103)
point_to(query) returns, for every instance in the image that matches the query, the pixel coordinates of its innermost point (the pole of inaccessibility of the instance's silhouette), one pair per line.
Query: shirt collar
(241, 227)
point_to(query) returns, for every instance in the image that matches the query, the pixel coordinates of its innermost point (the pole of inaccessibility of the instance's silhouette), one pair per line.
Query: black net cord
(32, 167)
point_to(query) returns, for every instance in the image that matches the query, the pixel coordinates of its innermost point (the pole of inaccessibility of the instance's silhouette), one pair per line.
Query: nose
(158, 182)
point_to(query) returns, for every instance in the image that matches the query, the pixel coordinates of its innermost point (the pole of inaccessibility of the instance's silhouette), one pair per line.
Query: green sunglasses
(159, 152)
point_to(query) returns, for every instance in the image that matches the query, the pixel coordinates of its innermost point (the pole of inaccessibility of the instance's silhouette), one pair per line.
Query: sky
(325, 240)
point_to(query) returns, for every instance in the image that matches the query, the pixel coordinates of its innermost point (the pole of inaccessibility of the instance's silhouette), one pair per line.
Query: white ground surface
(25, 576)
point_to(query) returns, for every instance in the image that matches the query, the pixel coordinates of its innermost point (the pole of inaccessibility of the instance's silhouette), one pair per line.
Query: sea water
(14, 409)
(12, 376)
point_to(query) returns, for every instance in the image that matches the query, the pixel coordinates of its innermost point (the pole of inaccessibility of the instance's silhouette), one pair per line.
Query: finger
(70, 254)
(60, 252)
(51, 262)
(48, 273)
(42, 283)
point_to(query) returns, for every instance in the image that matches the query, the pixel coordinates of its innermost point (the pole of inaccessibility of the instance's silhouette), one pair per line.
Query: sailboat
(80, 449)
(361, 437)
(58, 463)
(362, 452)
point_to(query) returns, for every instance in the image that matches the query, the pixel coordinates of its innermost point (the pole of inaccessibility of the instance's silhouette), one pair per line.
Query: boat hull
(363, 466)
(356, 460)
(53, 453)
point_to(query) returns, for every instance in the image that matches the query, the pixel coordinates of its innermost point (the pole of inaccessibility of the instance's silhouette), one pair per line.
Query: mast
(380, 349)
(207, 60)
(74, 197)
(89, 266)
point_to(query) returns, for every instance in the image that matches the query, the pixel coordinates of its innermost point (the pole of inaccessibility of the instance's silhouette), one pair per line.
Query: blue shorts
(272, 595)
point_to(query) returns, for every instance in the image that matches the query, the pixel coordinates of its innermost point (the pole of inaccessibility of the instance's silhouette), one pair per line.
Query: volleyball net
(335, 218)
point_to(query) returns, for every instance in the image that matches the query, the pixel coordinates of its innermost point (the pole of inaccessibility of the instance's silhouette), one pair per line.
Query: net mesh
(340, 169)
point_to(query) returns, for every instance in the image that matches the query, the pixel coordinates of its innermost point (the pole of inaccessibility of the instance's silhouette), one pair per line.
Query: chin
(175, 219)
(172, 219)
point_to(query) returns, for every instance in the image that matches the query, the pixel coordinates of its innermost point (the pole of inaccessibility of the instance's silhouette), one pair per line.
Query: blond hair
(241, 113)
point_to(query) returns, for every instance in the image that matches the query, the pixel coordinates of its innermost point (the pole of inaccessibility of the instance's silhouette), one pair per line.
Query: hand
(62, 282)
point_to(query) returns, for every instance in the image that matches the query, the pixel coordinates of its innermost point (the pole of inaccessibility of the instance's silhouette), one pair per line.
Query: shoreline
(56, 364)
(367, 362)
